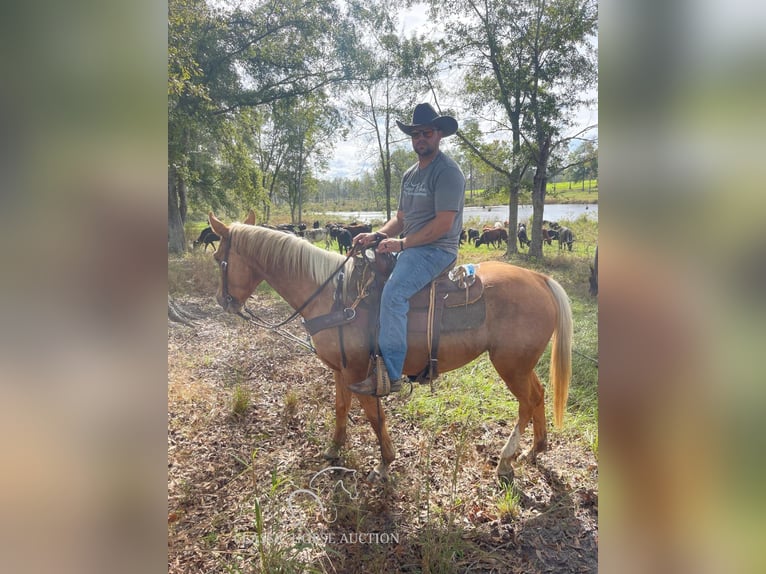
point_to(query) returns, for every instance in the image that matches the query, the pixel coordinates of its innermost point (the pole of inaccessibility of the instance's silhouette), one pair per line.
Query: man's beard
(427, 151)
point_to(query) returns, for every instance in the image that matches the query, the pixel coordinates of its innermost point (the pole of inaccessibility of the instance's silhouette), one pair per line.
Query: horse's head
(238, 279)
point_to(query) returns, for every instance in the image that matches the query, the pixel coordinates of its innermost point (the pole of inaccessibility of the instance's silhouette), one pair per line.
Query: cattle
(207, 236)
(473, 234)
(549, 235)
(315, 234)
(333, 229)
(463, 237)
(494, 236)
(356, 228)
(522, 235)
(286, 227)
(566, 237)
(344, 240)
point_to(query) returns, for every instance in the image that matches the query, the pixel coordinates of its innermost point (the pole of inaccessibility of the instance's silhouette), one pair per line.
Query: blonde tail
(561, 352)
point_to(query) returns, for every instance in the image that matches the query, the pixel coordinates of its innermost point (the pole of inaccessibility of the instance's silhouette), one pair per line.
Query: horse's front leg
(342, 407)
(377, 417)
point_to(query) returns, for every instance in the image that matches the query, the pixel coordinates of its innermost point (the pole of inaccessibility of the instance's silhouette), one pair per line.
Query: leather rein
(224, 264)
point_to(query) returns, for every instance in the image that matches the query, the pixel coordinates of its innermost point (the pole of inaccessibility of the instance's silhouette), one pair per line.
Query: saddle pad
(456, 296)
(459, 318)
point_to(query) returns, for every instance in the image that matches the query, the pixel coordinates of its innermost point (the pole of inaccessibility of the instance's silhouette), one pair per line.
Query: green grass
(240, 400)
(473, 388)
(509, 503)
(434, 538)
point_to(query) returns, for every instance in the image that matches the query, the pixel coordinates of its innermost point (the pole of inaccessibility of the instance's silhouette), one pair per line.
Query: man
(429, 220)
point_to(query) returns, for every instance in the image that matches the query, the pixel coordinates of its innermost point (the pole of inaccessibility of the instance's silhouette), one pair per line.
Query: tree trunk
(176, 236)
(538, 205)
(540, 181)
(513, 216)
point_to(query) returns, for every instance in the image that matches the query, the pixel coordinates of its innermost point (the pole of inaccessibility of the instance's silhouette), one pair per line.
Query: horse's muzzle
(229, 303)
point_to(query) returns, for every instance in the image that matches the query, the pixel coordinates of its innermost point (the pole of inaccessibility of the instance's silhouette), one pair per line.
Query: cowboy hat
(425, 115)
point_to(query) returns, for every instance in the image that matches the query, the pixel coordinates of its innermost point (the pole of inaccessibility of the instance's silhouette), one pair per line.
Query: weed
(440, 548)
(291, 404)
(240, 400)
(195, 273)
(508, 506)
(210, 539)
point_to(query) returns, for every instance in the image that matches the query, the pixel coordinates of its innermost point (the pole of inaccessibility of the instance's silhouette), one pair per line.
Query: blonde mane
(284, 252)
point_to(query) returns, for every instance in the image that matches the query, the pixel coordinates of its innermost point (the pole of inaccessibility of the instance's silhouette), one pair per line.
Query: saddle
(442, 305)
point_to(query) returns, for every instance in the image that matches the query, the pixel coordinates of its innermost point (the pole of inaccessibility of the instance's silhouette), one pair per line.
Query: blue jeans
(415, 268)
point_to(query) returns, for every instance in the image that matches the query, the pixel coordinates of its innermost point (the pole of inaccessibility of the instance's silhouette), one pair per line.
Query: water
(552, 212)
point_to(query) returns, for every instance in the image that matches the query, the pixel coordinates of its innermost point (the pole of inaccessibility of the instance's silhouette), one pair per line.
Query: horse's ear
(218, 225)
(250, 218)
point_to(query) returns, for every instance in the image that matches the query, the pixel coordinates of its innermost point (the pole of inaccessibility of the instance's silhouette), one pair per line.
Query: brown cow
(355, 229)
(549, 235)
(494, 236)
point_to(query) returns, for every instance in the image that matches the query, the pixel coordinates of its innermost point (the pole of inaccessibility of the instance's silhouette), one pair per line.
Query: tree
(584, 162)
(562, 67)
(311, 123)
(224, 63)
(528, 63)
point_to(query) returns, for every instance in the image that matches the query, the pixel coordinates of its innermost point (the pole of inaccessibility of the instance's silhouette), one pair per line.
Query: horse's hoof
(331, 453)
(530, 456)
(505, 478)
(505, 471)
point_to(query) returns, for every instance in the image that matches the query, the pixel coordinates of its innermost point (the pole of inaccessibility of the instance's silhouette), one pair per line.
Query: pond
(490, 214)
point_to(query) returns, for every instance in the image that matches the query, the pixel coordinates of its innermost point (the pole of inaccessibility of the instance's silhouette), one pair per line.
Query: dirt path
(246, 493)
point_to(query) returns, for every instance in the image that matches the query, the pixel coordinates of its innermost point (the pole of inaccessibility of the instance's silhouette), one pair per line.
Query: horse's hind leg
(531, 396)
(538, 417)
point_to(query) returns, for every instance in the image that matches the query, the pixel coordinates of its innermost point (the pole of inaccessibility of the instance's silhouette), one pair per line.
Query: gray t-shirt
(438, 187)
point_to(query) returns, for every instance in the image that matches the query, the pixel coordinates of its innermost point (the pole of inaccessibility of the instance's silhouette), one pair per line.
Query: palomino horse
(524, 309)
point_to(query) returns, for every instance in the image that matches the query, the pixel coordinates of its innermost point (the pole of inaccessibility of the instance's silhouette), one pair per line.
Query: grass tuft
(240, 400)
(509, 503)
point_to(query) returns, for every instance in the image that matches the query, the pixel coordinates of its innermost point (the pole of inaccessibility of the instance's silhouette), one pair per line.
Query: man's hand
(367, 238)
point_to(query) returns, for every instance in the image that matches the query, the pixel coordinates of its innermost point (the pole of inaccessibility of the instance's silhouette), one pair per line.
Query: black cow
(549, 235)
(473, 234)
(207, 236)
(287, 228)
(522, 235)
(496, 237)
(566, 237)
(344, 240)
(463, 237)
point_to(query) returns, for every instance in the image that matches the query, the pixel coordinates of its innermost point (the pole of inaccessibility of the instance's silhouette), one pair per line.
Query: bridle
(224, 264)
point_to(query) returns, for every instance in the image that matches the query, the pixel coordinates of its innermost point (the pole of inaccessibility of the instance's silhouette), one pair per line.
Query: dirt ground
(247, 492)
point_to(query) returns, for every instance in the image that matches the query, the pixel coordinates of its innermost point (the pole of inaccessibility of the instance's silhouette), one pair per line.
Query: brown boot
(375, 385)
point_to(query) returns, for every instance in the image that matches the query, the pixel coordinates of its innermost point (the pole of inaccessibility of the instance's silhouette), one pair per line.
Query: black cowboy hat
(425, 115)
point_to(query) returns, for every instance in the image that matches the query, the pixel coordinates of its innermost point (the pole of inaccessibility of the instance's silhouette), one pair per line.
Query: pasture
(250, 412)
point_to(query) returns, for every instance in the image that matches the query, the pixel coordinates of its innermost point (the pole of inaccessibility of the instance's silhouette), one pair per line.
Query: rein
(262, 322)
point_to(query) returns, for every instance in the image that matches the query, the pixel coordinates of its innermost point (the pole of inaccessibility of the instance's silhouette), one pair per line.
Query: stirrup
(383, 387)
